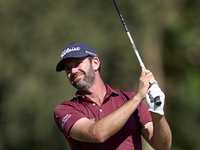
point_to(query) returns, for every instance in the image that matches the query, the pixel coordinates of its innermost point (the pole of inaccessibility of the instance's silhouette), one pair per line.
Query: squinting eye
(78, 63)
(67, 70)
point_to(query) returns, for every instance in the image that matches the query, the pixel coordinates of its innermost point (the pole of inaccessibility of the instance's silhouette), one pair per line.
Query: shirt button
(83, 96)
(100, 110)
(94, 104)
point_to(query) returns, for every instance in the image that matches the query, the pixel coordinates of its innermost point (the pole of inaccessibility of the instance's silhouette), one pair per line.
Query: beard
(87, 80)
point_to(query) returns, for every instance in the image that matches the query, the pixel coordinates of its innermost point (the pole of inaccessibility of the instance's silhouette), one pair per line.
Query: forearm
(112, 123)
(161, 132)
(100, 131)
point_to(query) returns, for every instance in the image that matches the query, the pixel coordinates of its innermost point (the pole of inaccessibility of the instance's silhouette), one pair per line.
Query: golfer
(101, 118)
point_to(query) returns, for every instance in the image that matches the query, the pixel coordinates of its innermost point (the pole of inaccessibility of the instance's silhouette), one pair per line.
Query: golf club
(156, 99)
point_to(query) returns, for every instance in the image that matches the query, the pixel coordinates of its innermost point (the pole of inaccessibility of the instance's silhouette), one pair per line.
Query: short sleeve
(66, 114)
(143, 114)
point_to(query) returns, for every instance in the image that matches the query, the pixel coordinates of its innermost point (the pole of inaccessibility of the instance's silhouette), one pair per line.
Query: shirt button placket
(101, 113)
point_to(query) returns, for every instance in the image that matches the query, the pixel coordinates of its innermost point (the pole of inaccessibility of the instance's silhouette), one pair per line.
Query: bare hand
(143, 84)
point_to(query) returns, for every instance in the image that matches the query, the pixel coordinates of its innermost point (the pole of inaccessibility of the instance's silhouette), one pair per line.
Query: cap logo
(90, 53)
(68, 50)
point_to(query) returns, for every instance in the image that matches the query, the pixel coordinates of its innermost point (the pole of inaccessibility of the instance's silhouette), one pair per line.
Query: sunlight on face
(84, 76)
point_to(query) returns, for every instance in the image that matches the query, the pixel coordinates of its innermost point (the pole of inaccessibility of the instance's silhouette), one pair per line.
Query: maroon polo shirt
(128, 138)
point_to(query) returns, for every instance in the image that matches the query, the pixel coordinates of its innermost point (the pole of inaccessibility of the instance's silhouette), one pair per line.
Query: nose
(74, 70)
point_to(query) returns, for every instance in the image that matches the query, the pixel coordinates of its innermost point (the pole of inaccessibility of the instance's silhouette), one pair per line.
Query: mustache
(73, 77)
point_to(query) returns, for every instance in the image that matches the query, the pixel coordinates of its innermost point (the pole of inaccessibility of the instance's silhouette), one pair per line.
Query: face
(80, 72)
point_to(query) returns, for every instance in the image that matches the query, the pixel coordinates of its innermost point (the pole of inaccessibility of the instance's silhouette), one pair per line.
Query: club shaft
(157, 99)
(130, 37)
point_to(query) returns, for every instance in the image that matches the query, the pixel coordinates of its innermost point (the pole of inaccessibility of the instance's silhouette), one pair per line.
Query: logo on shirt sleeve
(64, 120)
(92, 119)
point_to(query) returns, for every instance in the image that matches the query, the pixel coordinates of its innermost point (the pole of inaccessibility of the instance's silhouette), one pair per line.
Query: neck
(97, 91)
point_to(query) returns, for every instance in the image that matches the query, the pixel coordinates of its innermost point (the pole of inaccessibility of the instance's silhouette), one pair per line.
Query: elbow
(101, 140)
(100, 137)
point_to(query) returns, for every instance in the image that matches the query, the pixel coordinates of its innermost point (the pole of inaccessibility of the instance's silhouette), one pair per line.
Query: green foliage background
(34, 33)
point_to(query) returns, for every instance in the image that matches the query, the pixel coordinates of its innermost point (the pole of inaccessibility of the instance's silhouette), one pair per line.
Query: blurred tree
(182, 60)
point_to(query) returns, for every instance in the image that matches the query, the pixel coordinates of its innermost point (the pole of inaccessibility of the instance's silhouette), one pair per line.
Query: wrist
(156, 115)
(159, 112)
(138, 98)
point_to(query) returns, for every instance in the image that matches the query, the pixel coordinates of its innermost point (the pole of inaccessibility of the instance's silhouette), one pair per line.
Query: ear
(95, 63)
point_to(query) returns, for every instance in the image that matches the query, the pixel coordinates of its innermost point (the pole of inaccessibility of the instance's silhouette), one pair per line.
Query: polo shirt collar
(109, 92)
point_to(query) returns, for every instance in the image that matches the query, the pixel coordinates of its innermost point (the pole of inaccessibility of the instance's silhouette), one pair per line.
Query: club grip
(157, 101)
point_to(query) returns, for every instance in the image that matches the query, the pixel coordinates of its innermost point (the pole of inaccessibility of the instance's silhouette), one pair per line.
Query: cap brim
(60, 65)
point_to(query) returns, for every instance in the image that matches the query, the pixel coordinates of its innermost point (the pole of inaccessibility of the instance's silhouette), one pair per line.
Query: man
(102, 118)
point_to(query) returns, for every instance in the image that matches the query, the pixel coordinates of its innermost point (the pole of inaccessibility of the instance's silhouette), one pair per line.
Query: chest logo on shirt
(65, 119)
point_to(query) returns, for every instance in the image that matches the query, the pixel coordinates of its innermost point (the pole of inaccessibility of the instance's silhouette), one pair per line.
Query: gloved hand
(153, 92)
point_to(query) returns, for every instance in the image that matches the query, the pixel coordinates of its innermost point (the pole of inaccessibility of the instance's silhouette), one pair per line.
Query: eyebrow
(73, 60)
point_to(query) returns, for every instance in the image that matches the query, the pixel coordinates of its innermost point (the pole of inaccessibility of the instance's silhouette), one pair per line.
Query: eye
(67, 70)
(78, 63)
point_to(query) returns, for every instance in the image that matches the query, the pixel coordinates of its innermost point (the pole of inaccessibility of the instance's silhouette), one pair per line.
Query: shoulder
(142, 107)
(66, 105)
(66, 114)
(128, 95)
